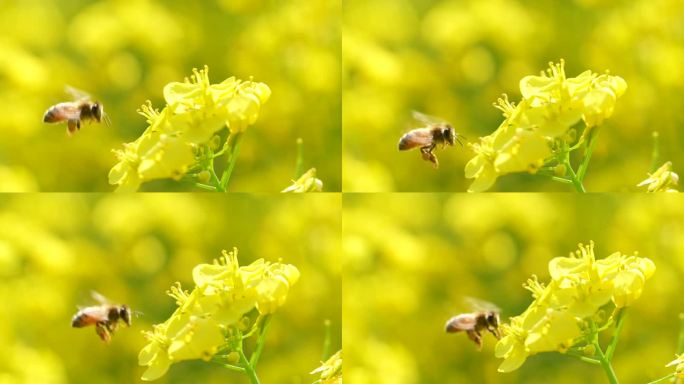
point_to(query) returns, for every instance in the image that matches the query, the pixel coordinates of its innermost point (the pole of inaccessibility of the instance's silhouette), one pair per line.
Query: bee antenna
(106, 119)
(459, 137)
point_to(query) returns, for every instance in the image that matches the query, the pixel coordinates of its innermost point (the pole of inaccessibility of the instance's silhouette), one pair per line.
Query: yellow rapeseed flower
(580, 286)
(551, 104)
(330, 370)
(305, 183)
(224, 293)
(195, 110)
(679, 366)
(662, 180)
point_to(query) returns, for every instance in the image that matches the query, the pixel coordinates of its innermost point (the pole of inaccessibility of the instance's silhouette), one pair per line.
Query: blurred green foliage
(55, 249)
(454, 58)
(410, 260)
(124, 52)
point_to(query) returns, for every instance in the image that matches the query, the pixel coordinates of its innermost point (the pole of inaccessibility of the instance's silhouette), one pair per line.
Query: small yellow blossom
(511, 347)
(224, 293)
(306, 183)
(662, 180)
(679, 363)
(330, 370)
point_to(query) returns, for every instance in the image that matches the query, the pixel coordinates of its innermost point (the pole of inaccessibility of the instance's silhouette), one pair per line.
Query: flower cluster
(662, 180)
(195, 110)
(551, 104)
(580, 286)
(224, 293)
(679, 366)
(305, 183)
(330, 370)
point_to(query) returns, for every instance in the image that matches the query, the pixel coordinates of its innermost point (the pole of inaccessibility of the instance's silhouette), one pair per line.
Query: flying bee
(435, 131)
(485, 318)
(74, 112)
(105, 317)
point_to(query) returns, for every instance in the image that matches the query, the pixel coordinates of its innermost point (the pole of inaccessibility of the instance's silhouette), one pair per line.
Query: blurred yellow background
(411, 259)
(123, 52)
(454, 58)
(55, 249)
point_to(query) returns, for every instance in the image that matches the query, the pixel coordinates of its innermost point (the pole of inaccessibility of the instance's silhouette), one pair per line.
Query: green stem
(260, 342)
(655, 155)
(221, 152)
(255, 327)
(680, 342)
(228, 366)
(249, 369)
(582, 170)
(234, 140)
(204, 186)
(605, 363)
(586, 359)
(619, 322)
(680, 339)
(552, 175)
(214, 178)
(326, 341)
(561, 180)
(601, 357)
(299, 163)
(671, 375)
(576, 181)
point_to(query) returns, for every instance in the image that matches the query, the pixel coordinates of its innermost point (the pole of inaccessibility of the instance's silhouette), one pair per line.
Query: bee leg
(475, 337)
(427, 154)
(102, 330)
(434, 160)
(72, 126)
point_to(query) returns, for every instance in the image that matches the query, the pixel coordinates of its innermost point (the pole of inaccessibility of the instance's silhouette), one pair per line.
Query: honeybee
(474, 323)
(105, 317)
(435, 131)
(74, 112)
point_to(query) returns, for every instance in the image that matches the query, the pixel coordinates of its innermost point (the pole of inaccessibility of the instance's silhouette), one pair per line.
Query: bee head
(96, 111)
(125, 314)
(493, 319)
(448, 133)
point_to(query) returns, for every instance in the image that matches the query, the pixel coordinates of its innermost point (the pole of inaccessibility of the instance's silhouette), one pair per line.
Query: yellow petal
(176, 92)
(157, 368)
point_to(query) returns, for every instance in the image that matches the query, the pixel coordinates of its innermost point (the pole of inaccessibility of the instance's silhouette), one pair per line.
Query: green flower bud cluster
(551, 104)
(224, 293)
(559, 316)
(195, 110)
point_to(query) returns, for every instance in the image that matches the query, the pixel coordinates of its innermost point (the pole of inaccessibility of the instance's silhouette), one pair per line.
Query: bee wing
(76, 93)
(480, 305)
(99, 297)
(426, 119)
